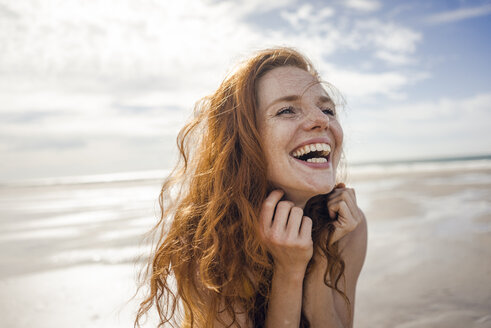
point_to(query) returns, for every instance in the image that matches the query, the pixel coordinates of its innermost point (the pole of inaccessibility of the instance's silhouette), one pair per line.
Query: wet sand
(69, 251)
(429, 250)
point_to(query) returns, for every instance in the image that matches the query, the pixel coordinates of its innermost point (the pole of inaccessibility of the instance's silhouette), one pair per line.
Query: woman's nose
(316, 118)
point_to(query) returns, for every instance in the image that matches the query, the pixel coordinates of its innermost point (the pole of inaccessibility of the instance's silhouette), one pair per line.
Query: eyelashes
(329, 111)
(286, 110)
(292, 110)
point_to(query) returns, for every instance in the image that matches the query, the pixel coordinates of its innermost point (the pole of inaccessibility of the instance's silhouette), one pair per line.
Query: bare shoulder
(354, 248)
(360, 233)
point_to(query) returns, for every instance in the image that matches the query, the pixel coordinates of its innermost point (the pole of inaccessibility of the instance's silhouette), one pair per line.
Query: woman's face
(301, 136)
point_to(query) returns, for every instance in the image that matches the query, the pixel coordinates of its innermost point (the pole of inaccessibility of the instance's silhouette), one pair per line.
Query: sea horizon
(395, 165)
(454, 158)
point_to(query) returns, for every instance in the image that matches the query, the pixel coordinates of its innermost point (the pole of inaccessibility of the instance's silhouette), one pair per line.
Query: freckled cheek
(268, 143)
(338, 134)
(274, 149)
(275, 138)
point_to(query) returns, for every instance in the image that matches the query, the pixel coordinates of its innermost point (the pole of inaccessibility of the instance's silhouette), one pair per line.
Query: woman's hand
(287, 234)
(322, 306)
(342, 205)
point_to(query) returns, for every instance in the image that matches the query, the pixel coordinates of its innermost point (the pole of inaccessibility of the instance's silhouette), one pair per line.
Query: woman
(260, 234)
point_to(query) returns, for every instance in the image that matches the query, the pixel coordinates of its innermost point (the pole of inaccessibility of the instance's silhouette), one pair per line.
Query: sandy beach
(69, 250)
(428, 261)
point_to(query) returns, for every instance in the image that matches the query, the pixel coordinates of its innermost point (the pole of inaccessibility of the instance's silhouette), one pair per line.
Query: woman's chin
(321, 189)
(300, 197)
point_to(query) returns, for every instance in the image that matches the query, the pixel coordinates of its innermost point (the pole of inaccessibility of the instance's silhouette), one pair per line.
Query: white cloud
(259, 6)
(357, 85)
(444, 127)
(387, 36)
(459, 14)
(388, 41)
(306, 14)
(61, 115)
(363, 5)
(122, 40)
(151, 47)
(124, 74)
(394, 58)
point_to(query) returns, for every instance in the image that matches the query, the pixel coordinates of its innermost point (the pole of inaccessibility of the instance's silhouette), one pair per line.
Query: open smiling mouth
(313, 153)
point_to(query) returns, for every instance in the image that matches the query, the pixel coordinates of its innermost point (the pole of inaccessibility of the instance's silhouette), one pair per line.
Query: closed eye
(286, 110)
(329, 111)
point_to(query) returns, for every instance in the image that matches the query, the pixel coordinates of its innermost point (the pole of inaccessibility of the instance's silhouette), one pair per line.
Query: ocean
(72, 246)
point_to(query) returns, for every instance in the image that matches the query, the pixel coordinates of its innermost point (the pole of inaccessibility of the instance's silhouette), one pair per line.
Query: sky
(94, 87)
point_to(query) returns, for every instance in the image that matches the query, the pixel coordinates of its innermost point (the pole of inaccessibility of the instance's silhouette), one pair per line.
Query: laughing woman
(260, 232)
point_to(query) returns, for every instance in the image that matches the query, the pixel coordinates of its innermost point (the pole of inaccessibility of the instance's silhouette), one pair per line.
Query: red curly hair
(209, 258)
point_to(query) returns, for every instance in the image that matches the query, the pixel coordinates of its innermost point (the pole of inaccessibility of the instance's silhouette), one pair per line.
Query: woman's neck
(298, 200)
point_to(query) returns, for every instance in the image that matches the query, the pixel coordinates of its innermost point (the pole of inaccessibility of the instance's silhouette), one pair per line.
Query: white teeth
(324, 147)
(317, 160)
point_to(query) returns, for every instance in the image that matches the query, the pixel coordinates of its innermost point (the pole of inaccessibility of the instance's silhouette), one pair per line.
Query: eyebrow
(285, 98)
(322, 99)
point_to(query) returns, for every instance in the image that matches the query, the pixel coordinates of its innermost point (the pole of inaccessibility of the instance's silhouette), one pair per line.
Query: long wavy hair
(208, 257)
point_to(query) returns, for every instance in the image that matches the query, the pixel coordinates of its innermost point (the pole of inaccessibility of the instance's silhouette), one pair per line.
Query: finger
(347, 223)
(348, 196)
(341, 209)
(281, 215)
(333, 215)
(332, 209)
(294, 222)
(306, 228)
(268, 207)
(347, 199)
(352, 193)
(336, 236)
(355, 208)
(340, 187)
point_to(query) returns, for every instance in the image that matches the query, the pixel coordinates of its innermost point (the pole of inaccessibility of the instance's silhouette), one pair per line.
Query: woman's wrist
(318, 265)
(292, 275)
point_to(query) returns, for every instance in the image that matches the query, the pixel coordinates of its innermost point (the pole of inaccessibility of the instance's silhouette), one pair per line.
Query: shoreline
(69, 250)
